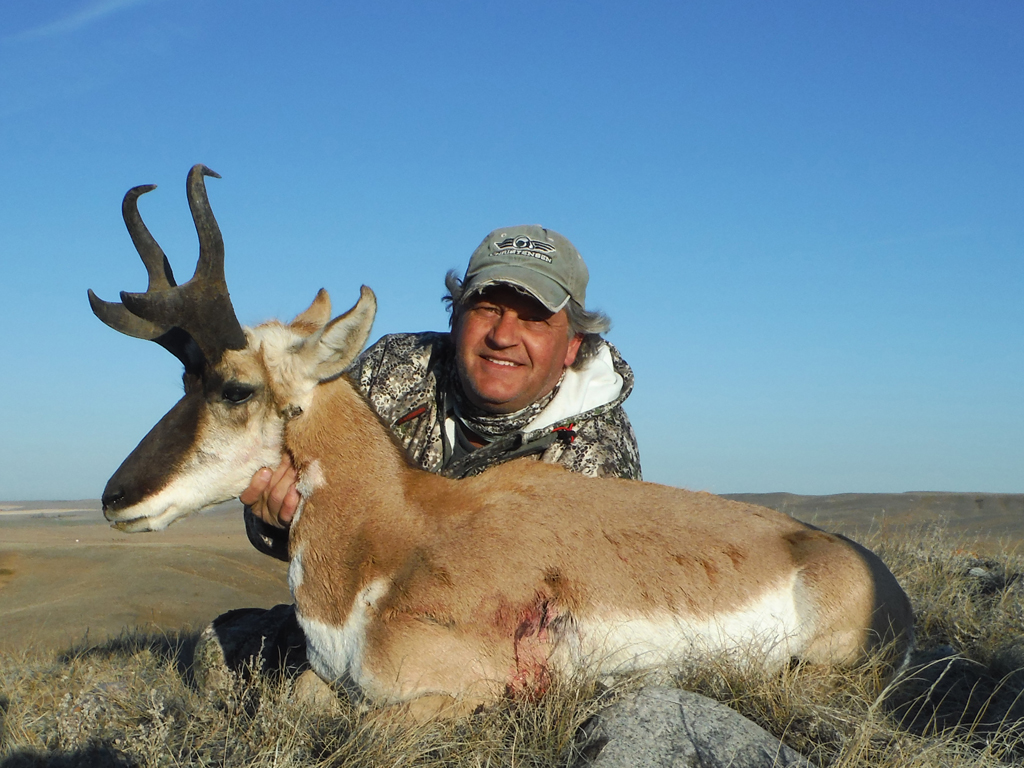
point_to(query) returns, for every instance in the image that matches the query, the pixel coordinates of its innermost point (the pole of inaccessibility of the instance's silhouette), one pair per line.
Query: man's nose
(505, 332)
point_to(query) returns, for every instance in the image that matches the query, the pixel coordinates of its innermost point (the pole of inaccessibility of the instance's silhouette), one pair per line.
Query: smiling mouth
(506, 363)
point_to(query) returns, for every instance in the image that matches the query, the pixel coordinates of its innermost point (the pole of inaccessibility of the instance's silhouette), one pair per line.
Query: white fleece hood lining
(595, 385)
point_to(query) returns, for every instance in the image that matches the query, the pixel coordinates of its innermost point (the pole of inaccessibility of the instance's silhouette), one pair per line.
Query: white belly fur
(767, 632)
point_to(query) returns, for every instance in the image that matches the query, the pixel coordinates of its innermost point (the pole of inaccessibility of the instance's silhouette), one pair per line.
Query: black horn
(115, 314)
(186, 319)
(160, 275)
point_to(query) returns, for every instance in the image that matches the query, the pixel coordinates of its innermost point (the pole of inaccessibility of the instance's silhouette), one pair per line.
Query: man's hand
(272, 495)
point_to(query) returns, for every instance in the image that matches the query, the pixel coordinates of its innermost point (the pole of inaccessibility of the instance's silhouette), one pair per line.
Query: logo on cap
(525, 246)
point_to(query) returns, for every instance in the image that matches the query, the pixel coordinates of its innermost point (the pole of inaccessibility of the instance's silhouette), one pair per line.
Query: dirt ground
(65, 574)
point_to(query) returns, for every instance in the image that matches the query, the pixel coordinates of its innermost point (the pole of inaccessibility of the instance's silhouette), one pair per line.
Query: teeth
(500, 362)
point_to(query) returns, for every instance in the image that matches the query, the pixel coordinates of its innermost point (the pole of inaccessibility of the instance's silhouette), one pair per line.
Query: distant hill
(988, 516)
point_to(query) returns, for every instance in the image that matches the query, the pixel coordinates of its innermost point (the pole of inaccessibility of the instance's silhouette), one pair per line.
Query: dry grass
(131, 701)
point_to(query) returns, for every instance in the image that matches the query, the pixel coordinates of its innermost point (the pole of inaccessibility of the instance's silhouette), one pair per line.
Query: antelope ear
(314, 318)
(342, 339)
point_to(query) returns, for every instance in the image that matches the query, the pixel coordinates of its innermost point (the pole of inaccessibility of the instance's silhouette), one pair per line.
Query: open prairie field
(64, 572)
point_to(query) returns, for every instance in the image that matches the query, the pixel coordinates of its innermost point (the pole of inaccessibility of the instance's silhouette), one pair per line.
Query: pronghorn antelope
(412, 587)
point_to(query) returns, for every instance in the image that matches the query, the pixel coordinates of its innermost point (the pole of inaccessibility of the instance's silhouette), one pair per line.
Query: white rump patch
(336, 653)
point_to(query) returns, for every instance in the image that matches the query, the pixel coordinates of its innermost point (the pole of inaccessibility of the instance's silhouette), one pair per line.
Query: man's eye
(236, 393)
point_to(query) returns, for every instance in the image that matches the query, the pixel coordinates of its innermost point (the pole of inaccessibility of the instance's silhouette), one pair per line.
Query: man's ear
(573, 350)
(332, 349)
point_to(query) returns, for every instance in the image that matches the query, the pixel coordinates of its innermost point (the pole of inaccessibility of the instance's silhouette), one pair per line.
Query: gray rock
(670, 728)
(249, 640)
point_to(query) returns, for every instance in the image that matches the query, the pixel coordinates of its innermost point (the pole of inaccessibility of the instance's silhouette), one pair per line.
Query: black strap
(498, 452)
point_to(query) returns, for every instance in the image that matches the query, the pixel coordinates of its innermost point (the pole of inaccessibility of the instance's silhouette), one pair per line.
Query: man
(524, 372)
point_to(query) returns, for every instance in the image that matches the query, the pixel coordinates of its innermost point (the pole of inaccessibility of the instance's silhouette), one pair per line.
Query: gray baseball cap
(537, 260)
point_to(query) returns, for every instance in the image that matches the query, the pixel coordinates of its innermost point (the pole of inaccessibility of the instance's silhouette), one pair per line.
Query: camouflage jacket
(405, 376)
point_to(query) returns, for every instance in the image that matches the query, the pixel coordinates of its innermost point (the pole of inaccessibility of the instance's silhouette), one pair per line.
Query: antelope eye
(235, 392)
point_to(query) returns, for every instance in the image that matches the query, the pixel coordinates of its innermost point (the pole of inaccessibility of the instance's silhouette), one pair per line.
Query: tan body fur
(488, 580)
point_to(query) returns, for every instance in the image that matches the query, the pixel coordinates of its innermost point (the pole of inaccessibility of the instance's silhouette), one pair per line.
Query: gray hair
(589, 324)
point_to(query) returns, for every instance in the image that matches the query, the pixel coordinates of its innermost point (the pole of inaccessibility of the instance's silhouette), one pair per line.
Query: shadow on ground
(177, 647)
(942, 692)
(93, 756)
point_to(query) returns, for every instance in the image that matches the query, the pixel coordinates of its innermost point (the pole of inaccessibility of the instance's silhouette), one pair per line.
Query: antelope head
(241, 384)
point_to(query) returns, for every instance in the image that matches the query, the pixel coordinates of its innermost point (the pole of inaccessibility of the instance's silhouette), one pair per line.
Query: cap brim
(541, 287)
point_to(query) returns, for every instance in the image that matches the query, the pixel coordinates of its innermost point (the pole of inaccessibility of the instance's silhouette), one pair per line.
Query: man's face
(510, 350)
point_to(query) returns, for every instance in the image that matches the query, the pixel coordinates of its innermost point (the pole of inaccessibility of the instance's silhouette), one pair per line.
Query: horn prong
(118, 317)
(157, 266)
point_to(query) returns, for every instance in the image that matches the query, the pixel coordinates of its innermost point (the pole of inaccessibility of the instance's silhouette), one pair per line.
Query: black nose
(112, 498)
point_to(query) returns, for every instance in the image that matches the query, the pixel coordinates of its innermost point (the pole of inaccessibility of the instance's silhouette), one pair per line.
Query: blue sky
(806, 220)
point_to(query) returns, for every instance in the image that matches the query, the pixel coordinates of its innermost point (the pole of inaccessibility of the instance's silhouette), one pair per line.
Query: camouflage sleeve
(604, 446)
(395, 372)
(364, 370)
